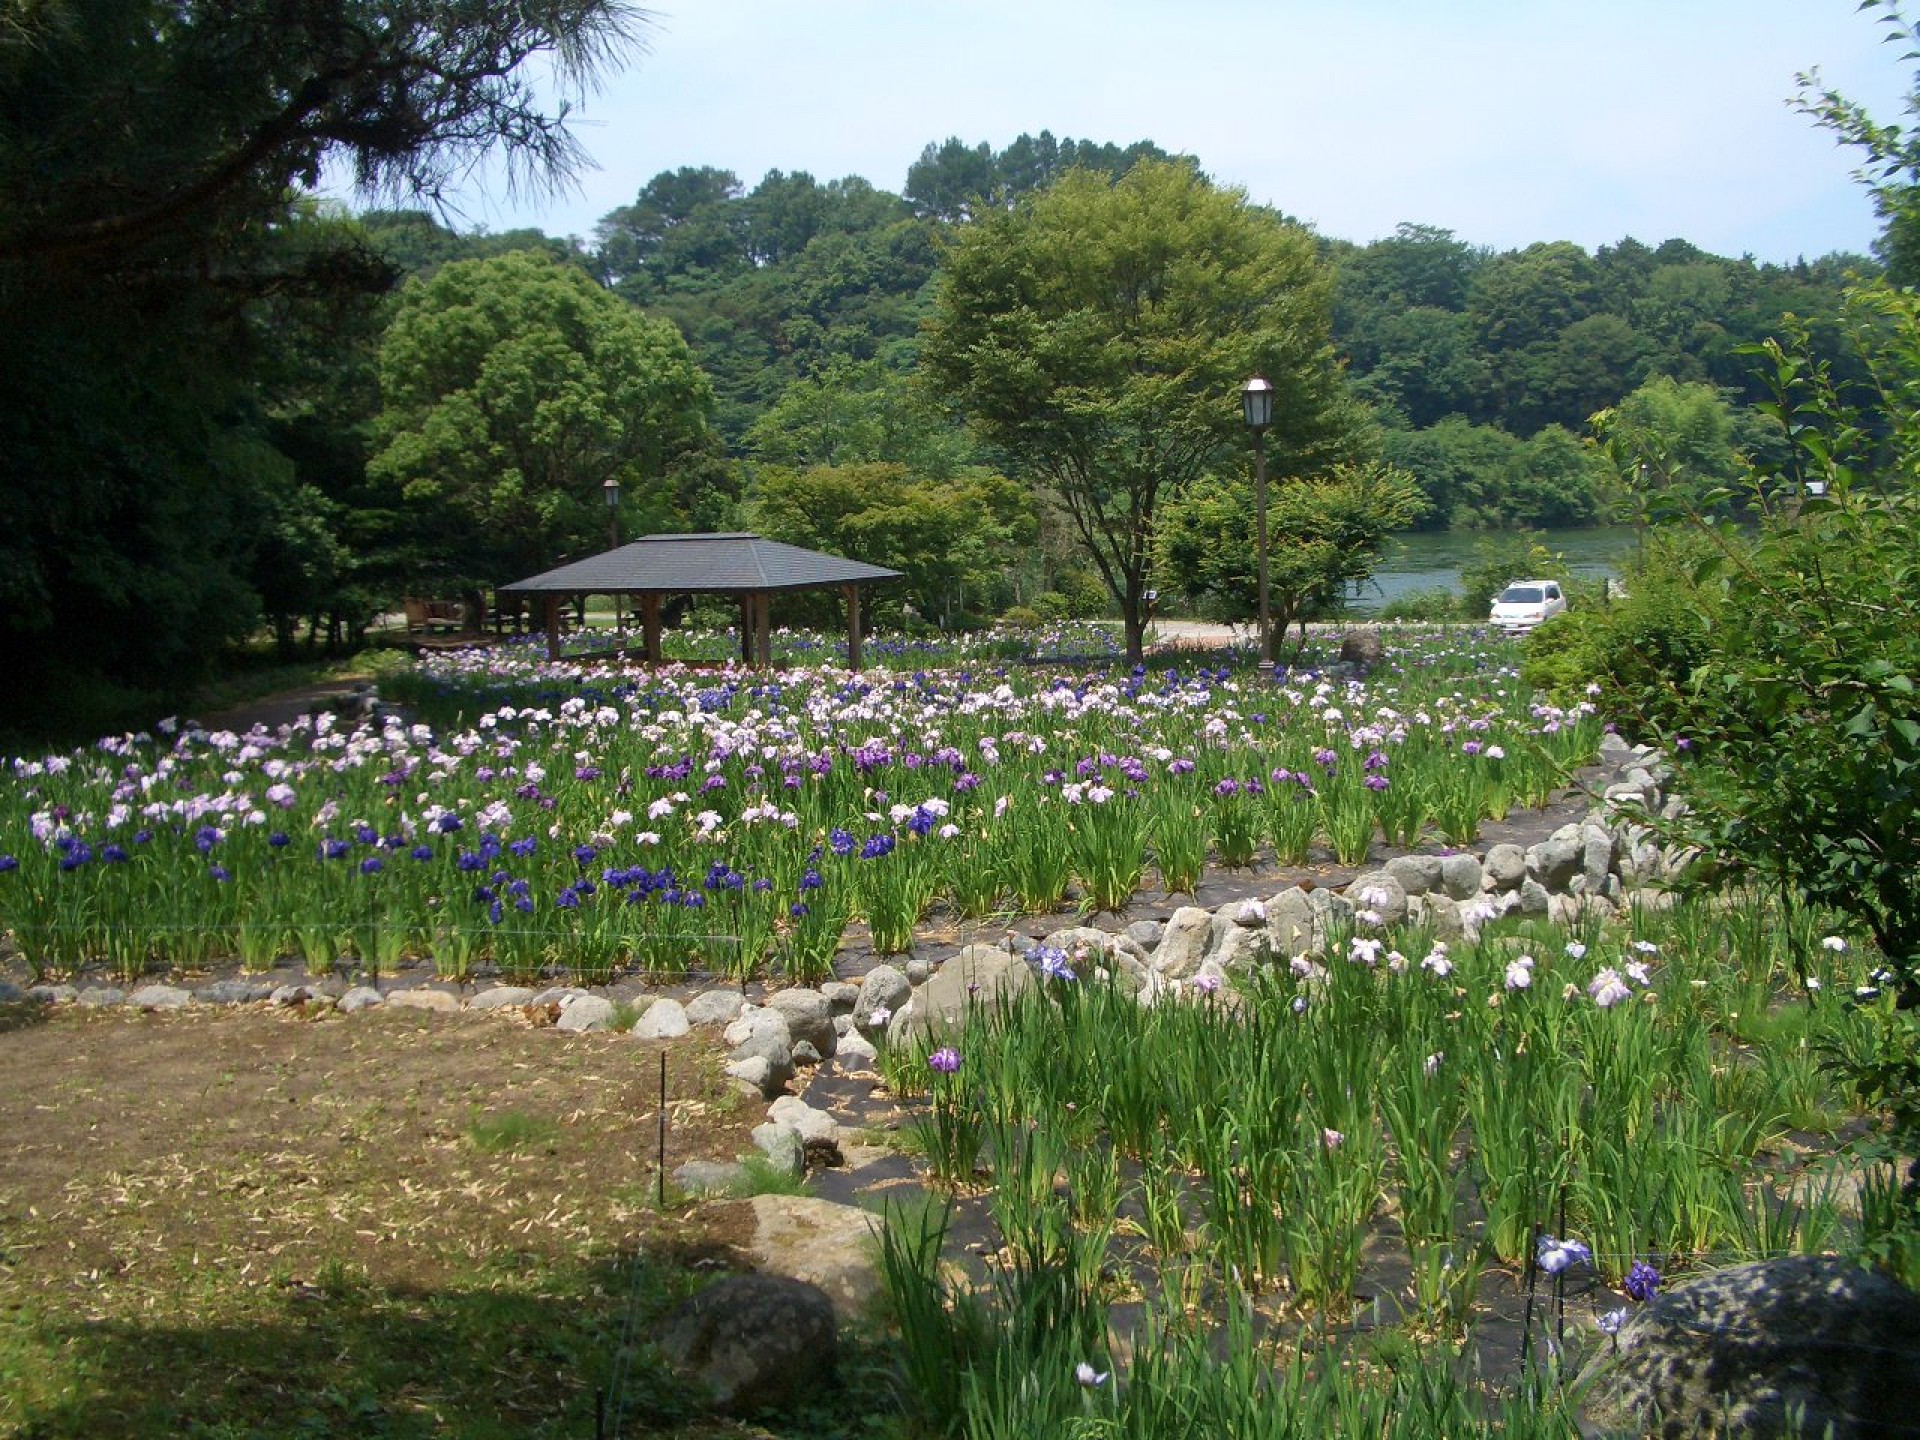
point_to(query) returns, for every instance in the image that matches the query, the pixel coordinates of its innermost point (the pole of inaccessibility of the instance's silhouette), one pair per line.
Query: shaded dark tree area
(182, 390)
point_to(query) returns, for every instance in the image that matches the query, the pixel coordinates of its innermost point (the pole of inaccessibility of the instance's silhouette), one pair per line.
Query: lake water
(1434, 560)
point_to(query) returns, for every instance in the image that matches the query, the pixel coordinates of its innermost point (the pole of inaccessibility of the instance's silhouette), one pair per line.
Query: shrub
(1085, 594)
(1052, 607)
(1438, 603)
(1641, 649)
(1021, 617)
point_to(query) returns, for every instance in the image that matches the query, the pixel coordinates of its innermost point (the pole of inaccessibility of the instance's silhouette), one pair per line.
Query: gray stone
(1461, 876)
(1534, 898)
(1556, 860)
(785, 1151)
(360, 997)
(1596, 855)
(711, 1177)
(805, 1057)
(1443, 913)
(809, 1017)
(1146, 933)
(833, 1246)
(978, 975)
(855, 1052)
(884, 989)
(757, 1075)
(766, 1038)
(1378, 892)
(1291, 927)
(1504, 867)
(234, 992)
(290, 994)
(1329, 908)
(99, 996)
(556, 995)
(715, 1007)
(1417, 874)
(1095, 943)
(10, 993)
(754, 1342)
(813, 1125)
(1184, 943)
(665, 1019)
(424, 998)
(160, 997)
(53, 994)
(1238, 949)
(1806, 1345)
(841, 996)
(919, 971)
(842, 1027)
(501, 997)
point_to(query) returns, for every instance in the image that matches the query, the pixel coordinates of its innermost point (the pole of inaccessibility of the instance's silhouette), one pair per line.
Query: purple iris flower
(1642, 1282)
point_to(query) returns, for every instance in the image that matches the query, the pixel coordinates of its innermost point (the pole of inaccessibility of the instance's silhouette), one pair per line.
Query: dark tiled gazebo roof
(733, 563)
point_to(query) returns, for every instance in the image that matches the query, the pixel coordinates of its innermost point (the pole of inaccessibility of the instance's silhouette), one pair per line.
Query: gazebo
(735, 563)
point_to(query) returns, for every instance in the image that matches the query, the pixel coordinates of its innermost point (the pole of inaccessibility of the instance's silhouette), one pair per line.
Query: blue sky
(1506, 121)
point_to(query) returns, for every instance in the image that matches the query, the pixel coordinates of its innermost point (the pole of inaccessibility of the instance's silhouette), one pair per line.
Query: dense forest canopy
(206, 425)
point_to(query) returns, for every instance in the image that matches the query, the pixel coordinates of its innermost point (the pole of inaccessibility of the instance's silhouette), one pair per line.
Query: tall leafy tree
(513, 389)
(1099, 335)
(952, 539)
(1325, 534)
(152, 158)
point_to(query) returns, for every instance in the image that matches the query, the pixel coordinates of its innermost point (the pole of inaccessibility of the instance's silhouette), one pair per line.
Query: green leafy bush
(1052, 606)
(1085, 594)
(1640, 648)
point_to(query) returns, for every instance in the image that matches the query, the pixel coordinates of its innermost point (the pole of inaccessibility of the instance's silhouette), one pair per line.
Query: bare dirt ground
(200, 1210)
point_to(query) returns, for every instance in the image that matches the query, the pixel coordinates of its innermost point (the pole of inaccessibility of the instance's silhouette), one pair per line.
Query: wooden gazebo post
(650, 627)
(852, 592)
(553, 626)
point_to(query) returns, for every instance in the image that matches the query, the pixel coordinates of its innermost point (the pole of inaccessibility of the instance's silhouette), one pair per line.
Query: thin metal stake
(1560, 1280)
(1533, 1276)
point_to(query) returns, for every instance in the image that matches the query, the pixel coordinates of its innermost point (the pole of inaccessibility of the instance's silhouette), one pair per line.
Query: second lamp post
(1256, 396)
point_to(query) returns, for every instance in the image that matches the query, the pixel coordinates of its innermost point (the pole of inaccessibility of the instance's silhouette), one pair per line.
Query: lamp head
(1256, 398)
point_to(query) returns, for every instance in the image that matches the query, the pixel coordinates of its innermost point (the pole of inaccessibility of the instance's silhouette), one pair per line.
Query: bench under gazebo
(736, 563)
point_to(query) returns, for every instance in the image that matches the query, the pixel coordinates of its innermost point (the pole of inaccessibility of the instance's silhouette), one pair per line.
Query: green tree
(514, 388)
(1325, 535)
(951, 539)
(1890, 167)
(153, 158)
(858, 412)
(1670, 444)
(1099, 335)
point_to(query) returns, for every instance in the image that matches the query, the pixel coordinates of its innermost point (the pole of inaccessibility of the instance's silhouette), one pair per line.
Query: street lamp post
(1256, 397)
(611, 490)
